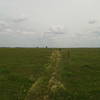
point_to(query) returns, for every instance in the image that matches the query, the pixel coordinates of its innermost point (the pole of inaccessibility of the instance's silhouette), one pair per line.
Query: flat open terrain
(76, 70)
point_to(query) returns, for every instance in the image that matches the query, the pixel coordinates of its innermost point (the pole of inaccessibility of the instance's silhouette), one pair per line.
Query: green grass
(82, 75)
(21, 67)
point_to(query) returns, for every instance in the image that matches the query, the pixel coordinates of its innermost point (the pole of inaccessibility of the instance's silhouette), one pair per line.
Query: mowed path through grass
(48, 86)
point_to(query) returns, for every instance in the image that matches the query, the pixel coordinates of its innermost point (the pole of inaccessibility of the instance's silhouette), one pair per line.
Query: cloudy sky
(56, 23)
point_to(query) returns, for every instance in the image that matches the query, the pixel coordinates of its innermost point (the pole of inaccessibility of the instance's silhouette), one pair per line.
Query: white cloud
(15, 26)
(92, 21)
(56, 29)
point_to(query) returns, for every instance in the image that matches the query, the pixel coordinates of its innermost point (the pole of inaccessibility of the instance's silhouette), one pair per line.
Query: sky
(52, 23)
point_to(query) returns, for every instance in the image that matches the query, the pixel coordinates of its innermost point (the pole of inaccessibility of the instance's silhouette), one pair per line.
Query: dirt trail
(41, 91)
(54, 62)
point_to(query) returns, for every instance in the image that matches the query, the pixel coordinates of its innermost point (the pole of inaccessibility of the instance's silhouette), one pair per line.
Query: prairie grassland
(56, 74)
(19, 69)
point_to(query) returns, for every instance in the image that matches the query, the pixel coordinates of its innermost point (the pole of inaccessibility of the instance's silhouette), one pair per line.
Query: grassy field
(25, 73)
